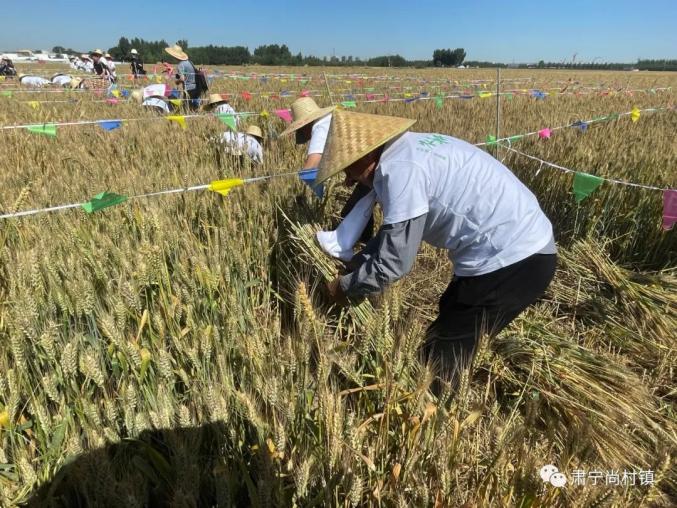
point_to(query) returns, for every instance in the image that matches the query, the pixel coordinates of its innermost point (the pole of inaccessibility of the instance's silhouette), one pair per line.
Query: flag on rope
(634, 114)
(6, 93)
(246, 96)
(485, 95)
(175, 102)
(284, 114)
(349, 104)
(491, 140)
(223, 187)
(545, 133)
(112, 101)
(47, 129)
(585, 184)
(439, 102)
(110, 125)
(180, 119)
(34, 104)
(103, 200)
(669, 208)
(229, 120)
(583, 126)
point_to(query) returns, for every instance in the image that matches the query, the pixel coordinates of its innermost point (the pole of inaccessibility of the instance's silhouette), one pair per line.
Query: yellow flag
(223, 187)
(158, 78)
(407, 95)
(2, 78)
(484, 95)
(34, 104)
(180, 119)
(634, 114)
(265, 114)
(283, 81)
(116, 93)
(176, 102)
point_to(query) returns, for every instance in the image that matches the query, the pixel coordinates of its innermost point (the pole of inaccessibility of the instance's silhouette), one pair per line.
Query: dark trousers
(358, 193)
(472, 306)
(194, 99)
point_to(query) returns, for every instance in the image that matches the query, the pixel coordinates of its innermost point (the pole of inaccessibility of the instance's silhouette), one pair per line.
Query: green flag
(48, 129)
(516, 137)
(103, 200)
(585, 184)
(491, 140)
(229, 120)
(439, 102)
(349, 104)
(7, 93)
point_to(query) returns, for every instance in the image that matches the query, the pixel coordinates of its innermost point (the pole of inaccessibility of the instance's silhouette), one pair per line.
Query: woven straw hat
(254, 130)
(75, 82)
(107, 55)
(214, 99)
(96, 52)
(303, 111)
(354, 135)
(84, 56)
(177, 52)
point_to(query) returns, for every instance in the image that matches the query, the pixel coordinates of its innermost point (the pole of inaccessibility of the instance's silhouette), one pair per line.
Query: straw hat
(134, 52)
(177, 52)
(107, 55)
(303, 111)
(84, 56)
(21, 75)
(254, 130)
(214, 99)
(137, 95)
(96, 52)
(75, 82)
(354, 135)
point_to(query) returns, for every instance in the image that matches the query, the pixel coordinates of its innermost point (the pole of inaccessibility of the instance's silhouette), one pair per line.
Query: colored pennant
(175, 102)
(264, 114)
(229, 120)
(308, 177)
(491, 140)
(514, 138)
(582, 126)
(34, 104)
(246, 96)
(349, 104)
(112, 101)
(223, 187)
(439, 102)
(47, 129)
(545, 133)
(284, 114)
(180, 119)
(669, 208)
(116, 93)
(585, 184)
(634, 114)
(103, 200)
(110, 125)
(6, 93)
(485, 95)
(304, 93)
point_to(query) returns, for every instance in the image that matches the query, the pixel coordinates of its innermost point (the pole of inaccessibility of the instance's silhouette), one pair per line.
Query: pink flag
(385, 98)
(669, 208)
(112, 101)
(305, 93)
(370, 96)
(544, 133)
(284, 114)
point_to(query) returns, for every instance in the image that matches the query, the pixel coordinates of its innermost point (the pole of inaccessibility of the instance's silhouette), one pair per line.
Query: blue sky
(505, 31)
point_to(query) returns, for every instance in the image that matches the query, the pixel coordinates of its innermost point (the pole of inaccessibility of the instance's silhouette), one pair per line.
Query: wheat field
(180, 350)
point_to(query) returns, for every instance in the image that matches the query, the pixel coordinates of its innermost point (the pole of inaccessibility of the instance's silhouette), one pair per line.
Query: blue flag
(308, 176)
(109, 125)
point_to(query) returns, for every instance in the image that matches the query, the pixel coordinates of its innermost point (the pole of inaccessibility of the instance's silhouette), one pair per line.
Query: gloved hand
(335, 293)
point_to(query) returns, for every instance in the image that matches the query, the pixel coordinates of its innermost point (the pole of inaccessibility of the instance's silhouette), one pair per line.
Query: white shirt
(34, 81)
(157, 103)
(62, 80)
(477, 209)
(160, 90)
(241, 142)
(318, 138)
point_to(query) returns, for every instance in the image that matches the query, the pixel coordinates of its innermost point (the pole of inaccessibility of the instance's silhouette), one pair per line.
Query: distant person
(311, 125)
(186, 76)
(86, 64)
(60, 79)
(136, 65)
(111, 65)
(101, 66)
(33, 81)
(7, 66)
(219, 105)
(153, 97)
(248, 143)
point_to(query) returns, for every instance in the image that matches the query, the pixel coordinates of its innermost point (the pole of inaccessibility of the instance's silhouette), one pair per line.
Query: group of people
(6, 66)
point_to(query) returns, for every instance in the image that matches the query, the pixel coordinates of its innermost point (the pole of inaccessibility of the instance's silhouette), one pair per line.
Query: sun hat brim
(302, 122)
(179, 55)
(354, 135)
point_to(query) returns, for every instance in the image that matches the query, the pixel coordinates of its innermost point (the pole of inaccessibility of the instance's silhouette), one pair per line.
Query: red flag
(246, 96)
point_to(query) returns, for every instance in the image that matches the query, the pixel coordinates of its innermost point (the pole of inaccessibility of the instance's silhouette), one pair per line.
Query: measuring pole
(498, 108)
(331, 97)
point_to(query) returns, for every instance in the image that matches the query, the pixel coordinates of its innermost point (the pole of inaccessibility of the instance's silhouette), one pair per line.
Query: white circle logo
(547, 471)
(558, 480)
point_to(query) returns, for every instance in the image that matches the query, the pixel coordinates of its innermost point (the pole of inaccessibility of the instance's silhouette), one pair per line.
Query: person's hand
(336, 294)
